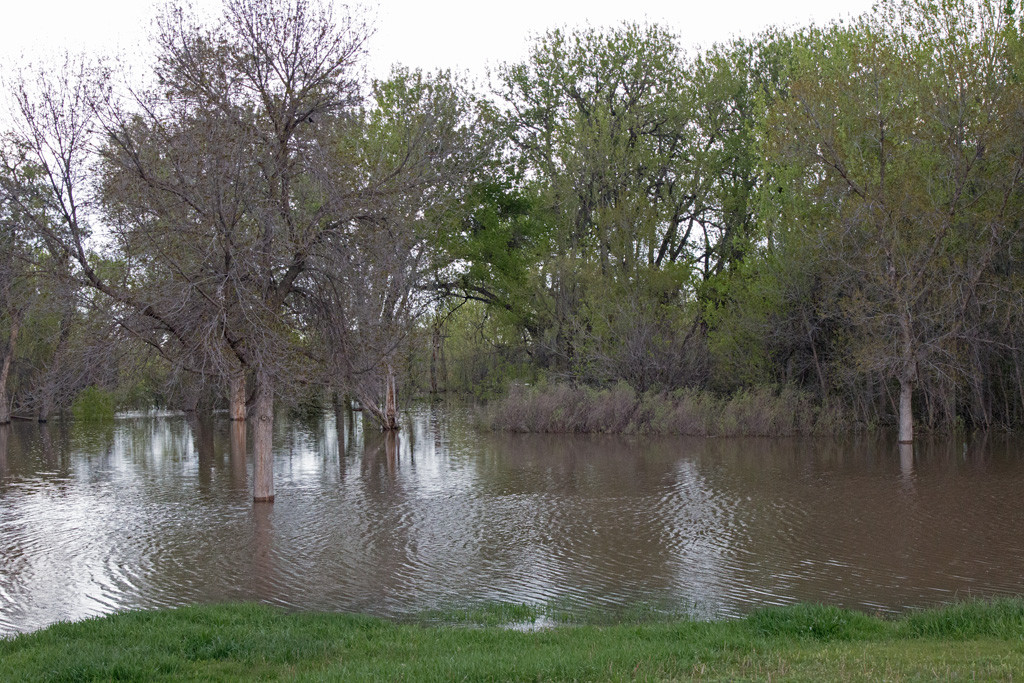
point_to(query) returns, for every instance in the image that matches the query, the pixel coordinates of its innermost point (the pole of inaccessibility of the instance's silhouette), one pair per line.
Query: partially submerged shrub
(93, 405)
(761, 411)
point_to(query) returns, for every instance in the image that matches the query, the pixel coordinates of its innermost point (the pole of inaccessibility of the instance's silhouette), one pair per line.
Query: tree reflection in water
(151, 511)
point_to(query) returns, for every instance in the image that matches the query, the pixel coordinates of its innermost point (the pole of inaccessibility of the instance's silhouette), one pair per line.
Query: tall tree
(406, 167)
(897, 127)
(219, 201)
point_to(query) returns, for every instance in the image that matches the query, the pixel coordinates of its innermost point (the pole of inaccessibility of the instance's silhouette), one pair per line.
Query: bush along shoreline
(563, 408)
(979, 640)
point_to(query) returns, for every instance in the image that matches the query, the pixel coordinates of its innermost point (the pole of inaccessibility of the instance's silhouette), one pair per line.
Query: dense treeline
(835, 211)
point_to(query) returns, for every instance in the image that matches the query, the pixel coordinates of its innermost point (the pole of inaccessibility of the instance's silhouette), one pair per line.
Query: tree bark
(5, 371)
(5, 431)
(390, 403)
(906, 409)
(236, 396)
(49, 390)
(53, 378)
(444, 367)
(1020, 388)
(435, 343)
(908, 377)
(263, 432)
(350, 419)
(391, 450)
(906, 460)
(817, 363)
(238, 472)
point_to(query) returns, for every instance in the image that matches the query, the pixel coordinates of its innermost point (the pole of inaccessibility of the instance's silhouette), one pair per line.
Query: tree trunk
(1020, 389)
(350, 419)
(906, 409)
(391, 450)
(53, 378)
(263, 432)
(908, 377)
(339, 412)
(435, 343)
(5, 371)
(817, 363)
(236, 399)
(46, 401)
(906, 460)
(390, 403)
(387, 415)
(5, 430)
(238, 472)
(444, 368)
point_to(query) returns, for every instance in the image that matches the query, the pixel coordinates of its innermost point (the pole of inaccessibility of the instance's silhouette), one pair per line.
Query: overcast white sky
(458, 34)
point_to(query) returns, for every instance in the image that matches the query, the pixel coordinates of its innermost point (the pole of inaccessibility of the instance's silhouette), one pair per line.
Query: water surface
(157, 511)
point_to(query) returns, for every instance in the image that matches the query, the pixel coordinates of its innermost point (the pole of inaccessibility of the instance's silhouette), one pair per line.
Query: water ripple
(135, 517)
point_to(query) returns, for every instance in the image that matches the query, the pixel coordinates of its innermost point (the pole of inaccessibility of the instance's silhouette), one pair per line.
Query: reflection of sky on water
(699, 525)
(151, 512)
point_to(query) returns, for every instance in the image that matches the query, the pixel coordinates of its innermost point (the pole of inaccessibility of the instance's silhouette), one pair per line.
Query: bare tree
(414, 155)
(210, 178)
(46, 197)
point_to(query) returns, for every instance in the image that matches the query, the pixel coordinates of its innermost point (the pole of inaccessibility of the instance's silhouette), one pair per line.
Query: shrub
(761, 411)
(93, 405)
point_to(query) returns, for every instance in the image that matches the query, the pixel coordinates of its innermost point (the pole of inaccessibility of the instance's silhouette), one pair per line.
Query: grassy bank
(976, 641)
(562, 408)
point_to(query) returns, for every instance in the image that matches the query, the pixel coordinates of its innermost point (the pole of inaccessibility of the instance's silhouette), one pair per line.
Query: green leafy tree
(903, 149)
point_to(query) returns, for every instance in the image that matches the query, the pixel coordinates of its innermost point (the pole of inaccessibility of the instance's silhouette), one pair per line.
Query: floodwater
(157, 511)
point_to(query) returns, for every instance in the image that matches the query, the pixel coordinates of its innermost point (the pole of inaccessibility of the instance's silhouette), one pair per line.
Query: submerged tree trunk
(5, 430)
(46, 400)
(238, 469)
(391, 450)
(386, 416)
(433, 365)
(390, 403)
(906, 434)
(263, 432)
(906, 460)
(908, 377)
(435, 351)
(236, 397)
(339, 412)
(5, 371)
(350, 419)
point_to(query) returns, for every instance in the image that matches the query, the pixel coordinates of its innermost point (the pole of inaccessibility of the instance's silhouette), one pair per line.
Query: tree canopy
(835, 209)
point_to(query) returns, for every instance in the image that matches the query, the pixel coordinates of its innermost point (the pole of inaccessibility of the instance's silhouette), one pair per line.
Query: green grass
(970, 641)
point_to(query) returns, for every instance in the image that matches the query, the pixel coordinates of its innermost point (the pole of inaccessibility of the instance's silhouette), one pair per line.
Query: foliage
(94, 404)
(898, 195)
(760, 411)
(837, 209)
(484, 352)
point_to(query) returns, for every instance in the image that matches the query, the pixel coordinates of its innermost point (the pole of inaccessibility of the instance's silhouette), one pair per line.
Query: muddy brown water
(156, 511)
